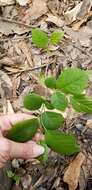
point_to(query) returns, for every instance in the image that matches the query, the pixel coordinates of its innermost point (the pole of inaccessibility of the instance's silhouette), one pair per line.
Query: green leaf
(48, 104)
(59, 101)
(81, 103)
(52, 120)
(40, 38)
(13, 176)
(56, 37)
(72, 81)
(10, 174)
(44, 157)
(16, 178)
(23, 131)
(61, 143)
(33, 101)
(50, 82)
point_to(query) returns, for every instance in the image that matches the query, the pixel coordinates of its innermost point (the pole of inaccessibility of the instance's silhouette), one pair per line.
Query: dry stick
(15, 39)
(15, 22)
(29, 69)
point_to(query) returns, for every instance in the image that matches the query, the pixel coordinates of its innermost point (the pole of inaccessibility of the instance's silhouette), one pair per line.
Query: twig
(15, 39)
(29, 69)
(16, 22)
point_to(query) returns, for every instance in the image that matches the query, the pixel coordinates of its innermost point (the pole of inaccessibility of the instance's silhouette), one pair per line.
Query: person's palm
(10, 149)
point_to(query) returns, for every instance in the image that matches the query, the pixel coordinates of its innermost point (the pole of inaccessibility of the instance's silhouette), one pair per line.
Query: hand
(10, 149)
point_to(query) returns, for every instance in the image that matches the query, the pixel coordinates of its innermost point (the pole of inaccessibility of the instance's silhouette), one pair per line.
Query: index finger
(7, 121)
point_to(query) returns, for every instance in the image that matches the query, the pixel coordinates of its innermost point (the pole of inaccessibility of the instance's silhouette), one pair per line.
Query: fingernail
(39, 150)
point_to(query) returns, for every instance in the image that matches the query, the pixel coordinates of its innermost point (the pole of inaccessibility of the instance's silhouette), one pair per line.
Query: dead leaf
(23, 2)
(71, 33)
(41, 90)
(5, 90)
(72, 174)
(6, 61)
(10, 27)
(27, 52)
(71, 15)
(71, 116)
(37, 9)
(55, 19)
(18, 103)
(79, 12)
(37, 60)
(6, 2)
(89, 123)
(56, 183)
(53, 6)
(9, 108)
(85, 9)
(5, 85)
(84, 35)
(77, 24)
(16, 83)
(12, 70)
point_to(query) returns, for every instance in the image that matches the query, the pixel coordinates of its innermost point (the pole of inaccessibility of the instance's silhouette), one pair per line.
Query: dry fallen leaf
(37, 9)
(5, 89)
(9, 107)
(89, 123)
(84, 35)
(18, 103)
(9, 27)
(27, 52)
(16, 83)
(55, 19)
(23, 2)
(85, 8)
(41, 90)
(6, 2)
(53, 6)
(71, 15)
(80, 13)
(5, 85)
(72, 174)
(78, 24)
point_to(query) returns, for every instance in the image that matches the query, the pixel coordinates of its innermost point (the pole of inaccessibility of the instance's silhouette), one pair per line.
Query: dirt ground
(22, 65)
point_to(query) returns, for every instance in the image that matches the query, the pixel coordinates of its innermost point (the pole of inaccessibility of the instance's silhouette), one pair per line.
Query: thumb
(25, 150)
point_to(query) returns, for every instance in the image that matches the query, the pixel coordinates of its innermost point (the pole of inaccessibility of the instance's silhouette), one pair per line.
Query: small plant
(13, 176)
(68, 90)
(41, 39)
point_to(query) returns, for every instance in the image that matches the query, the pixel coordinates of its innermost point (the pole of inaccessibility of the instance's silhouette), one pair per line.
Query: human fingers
(38, 136)
(10, 150)
(4, 151)
(25, 150)
(7, 120)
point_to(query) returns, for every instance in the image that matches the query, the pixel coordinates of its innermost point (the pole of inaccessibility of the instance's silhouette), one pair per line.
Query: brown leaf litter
(6, 2)
(84, 35)
(21, 62)
(89, 123)
(72, 174)
(23, 2)
(79, 13)
(10, 27)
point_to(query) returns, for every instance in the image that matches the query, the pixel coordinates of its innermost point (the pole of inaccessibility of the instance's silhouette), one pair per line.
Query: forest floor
(22, 65)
